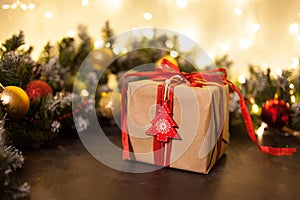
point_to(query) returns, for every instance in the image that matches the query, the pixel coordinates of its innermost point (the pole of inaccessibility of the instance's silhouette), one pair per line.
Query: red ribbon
(163, 135)
(196, 80)
(159, 146)
(276, 151)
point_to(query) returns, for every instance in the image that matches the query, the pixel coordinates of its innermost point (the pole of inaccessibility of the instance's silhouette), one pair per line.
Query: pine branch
(16, 69)
(47, 53)
(84, 48)
(67, 51)
(11, 159)
(107, 34)
(14, 43)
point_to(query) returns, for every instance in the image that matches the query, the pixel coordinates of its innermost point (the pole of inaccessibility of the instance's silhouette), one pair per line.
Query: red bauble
(37, 89)
(275, 113)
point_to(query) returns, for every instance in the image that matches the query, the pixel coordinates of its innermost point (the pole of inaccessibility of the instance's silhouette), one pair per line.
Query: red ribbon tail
(249, 125)
(277, 151)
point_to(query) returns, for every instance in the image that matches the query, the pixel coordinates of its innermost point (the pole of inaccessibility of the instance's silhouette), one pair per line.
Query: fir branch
(11, 159)
(84, 48)
(224, 62)
(16, 69)
(47, 53)
(67, 51)
(260, 86)
(14, 43)
(107, 34)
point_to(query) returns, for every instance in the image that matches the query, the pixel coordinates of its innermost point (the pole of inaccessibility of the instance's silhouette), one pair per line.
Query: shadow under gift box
(202, 116)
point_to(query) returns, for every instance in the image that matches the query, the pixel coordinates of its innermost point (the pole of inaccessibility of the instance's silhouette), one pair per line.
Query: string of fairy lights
(20, 4)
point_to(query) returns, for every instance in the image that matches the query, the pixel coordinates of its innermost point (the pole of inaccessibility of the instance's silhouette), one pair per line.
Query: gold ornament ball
(110, 104)
(17, 100)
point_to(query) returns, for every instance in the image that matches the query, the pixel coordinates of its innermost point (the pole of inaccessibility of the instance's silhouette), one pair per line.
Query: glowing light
(293, 99)
(255, 27)
(13, 6)
(31, 6)
(71, 33)
(112, 81)
(241, 79)
(147, 16)
(5, 6)
(35, 56)
(174, 54)
(255, 109)
(84, 93)
(107, 45)
(98, 44)
(116, 50)
(225, 47)
(238, 11)
(291, 86)
(294, 28)
(20, 4)
(169, 44)
(85, 2)
(279, 72)
(245, 43)
(23, 6)
(48, 14)
(181, 3)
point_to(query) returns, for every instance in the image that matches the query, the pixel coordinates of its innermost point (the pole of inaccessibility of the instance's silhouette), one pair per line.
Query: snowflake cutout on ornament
(163, 126)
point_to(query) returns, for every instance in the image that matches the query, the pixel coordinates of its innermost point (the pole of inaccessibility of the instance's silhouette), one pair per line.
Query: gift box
(198, 120)
(181, 124)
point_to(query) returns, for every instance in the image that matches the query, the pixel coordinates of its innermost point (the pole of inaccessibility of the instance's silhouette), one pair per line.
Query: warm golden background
(262, 32)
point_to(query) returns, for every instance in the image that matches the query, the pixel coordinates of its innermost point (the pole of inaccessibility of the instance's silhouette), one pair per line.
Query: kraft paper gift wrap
(202, 115)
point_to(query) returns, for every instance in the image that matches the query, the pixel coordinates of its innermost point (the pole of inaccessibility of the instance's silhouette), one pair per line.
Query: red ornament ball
(275, 113)
(38, 88)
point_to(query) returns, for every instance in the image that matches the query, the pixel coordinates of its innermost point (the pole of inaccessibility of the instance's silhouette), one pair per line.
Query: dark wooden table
(65, 170)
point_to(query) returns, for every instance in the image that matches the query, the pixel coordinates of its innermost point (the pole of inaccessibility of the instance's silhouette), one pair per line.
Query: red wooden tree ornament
(163, 126)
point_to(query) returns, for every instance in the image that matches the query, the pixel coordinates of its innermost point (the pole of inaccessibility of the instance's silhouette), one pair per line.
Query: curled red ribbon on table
(198, 79)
